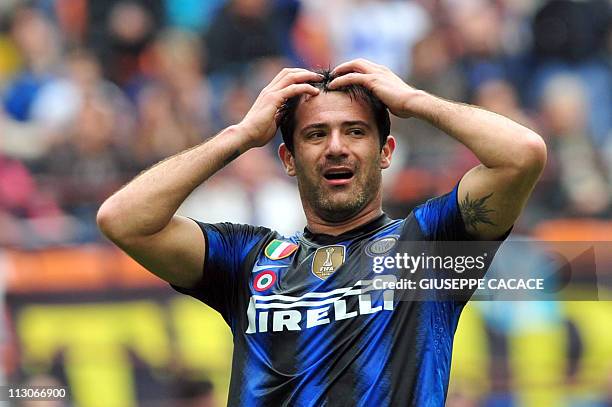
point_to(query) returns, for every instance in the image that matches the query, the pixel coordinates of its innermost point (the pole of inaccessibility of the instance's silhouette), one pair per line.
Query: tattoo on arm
(231, 157)
(475, 211)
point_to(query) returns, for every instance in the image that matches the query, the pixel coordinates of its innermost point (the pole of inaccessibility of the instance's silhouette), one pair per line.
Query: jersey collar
(324, 239)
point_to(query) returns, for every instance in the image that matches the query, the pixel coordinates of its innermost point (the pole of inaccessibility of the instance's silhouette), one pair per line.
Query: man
(306, 331)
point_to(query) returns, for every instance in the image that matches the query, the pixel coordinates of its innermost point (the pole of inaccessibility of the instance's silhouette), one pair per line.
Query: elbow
(108, 221)
(533, 155)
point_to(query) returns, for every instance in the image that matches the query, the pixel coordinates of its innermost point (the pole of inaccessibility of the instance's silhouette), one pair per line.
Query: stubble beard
(349, 200)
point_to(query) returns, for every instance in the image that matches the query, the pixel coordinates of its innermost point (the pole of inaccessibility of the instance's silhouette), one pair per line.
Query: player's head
(336, 144)
(287, 113)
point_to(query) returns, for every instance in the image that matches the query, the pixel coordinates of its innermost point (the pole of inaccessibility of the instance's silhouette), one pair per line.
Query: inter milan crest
(381, 246)
(326, 260)
(278, 249)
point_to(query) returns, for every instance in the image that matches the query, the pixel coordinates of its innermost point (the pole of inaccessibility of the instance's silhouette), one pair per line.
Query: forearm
(146, 205)
(497, 141)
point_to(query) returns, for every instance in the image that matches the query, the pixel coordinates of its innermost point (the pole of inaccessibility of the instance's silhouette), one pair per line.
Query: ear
(287, 159)
(387, 152)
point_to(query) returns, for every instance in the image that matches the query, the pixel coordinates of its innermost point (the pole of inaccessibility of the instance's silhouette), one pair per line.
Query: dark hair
(286, 114)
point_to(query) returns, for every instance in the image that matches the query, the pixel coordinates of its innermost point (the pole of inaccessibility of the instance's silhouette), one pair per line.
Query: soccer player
(306, 330)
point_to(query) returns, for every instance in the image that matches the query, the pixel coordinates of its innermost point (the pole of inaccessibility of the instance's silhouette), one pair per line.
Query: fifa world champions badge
(327, 260)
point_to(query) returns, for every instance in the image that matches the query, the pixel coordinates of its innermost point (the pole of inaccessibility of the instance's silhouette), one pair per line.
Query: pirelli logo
(278, 312)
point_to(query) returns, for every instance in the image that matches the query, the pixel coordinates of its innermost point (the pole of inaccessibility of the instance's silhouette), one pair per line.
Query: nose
(336, 144)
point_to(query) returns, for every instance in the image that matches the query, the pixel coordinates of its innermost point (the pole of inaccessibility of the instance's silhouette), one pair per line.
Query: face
(337, 156)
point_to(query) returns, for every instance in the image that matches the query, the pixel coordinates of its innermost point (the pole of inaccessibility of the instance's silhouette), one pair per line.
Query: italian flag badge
(277, 249)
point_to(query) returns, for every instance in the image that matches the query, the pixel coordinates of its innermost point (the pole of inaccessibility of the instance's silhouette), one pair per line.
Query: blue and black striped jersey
(306, 330)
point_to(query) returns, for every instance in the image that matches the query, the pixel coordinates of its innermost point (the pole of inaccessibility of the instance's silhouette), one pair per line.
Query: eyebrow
(350, 123)
(356, 123)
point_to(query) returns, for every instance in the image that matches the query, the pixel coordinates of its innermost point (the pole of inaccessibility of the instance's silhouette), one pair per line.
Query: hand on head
(380, 80)
(260, 122)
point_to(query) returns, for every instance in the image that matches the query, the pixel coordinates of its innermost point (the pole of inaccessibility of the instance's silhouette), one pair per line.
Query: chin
(336, 216)
(340, 210)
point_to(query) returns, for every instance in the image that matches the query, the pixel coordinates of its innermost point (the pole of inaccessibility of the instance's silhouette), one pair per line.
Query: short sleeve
(440, 221)
(440, 218)
(227, 256)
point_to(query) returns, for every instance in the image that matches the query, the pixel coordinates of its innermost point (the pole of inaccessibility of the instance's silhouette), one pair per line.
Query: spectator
(10, 60)
(478, 29)
(242, 32)
(161, 132)
(500, 97)
(126, 30)
(91, 163)
(571, 30)
(174, 101)
(579, 169)
(38, 43)
(393, 28)
(29, 215)
(58, 102)
(570, 37)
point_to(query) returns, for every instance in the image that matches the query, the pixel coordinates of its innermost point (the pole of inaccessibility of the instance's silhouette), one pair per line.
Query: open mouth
(338, 176)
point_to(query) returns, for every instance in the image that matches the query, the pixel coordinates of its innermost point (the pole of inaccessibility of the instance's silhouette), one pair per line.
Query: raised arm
(492, 194)
(140, 218)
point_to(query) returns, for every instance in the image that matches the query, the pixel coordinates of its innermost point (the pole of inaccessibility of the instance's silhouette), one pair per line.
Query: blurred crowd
(93, 92)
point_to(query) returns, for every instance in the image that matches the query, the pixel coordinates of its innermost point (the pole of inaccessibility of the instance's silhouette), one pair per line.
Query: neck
(320, 226)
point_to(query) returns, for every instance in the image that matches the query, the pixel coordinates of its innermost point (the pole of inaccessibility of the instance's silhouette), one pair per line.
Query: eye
(356, 132)
(315, 135)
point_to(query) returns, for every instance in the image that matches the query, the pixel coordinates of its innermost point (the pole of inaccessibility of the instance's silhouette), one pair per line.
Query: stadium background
(92, 92)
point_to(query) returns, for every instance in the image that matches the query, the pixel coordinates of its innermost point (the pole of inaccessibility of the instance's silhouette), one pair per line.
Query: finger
(298, 89)
(350, 79)
(283, 72)
(287, 72)
(360, 65)
(297, 77)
